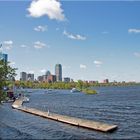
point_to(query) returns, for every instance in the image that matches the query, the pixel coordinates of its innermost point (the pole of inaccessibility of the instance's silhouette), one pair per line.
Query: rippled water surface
(114, 105)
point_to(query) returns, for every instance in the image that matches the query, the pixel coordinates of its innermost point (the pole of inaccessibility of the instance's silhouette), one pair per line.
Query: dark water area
(113, 105)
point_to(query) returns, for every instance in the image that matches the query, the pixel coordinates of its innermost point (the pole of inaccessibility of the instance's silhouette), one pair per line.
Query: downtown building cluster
(47, 77)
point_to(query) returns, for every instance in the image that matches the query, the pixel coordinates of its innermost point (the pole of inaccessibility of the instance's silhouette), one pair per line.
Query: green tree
(6, 73)
(79, 85)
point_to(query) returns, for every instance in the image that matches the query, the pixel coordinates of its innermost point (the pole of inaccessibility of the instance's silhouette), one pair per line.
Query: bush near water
(89, 91)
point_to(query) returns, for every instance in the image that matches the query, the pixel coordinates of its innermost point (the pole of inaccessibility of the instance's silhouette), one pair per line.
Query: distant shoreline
(63, 85)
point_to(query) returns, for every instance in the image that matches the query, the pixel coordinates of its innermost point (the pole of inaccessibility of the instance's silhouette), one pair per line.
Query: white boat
(74, 90)
(25, 99)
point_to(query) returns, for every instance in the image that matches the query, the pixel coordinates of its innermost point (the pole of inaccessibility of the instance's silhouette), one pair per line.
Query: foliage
(89, 91)
(6, 73)
(56, 85)
(80, 85)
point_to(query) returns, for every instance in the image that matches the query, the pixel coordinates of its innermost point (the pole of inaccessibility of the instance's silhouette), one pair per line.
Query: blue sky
(92, 40)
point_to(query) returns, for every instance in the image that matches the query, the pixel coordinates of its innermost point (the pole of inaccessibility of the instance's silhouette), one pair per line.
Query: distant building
(92, 82)
(44, 78)
(66, 79)
(48, 73)
(4, 57)
(30, 77)
(58, 72)
(40, 78)
(23, 76)
(51, 78)
(71, 80)
(86, 82)
(106, 81)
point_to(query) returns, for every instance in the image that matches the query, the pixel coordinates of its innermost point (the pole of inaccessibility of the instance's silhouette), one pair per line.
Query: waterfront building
(58, 72)
(23, 76)
(4, 57)
(106, 81)
(92, 82)
(51, 78)
(44, 78)
(30, 77)
(86, 82)
(71, 80)
(40, 78)
(46, 75)
(66, 79)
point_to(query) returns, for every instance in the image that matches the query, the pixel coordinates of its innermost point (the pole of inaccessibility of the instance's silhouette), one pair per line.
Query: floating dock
(18, 103)
(65, 119)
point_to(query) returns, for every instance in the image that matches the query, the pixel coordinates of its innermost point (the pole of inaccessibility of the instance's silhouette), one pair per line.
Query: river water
(113, 105)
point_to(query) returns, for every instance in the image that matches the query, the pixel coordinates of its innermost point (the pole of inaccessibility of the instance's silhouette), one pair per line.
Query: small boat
(50, 91)
(74, 90)
(25, 99)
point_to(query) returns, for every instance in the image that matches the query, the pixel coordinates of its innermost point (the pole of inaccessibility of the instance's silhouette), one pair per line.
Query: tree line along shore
(63, 85)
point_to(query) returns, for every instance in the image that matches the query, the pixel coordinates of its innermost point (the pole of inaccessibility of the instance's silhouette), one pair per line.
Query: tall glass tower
(4, 57)
(58, 72)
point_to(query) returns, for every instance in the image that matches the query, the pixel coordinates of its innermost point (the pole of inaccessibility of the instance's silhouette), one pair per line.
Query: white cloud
(23, 46)
(98, 63)
(51, 8)
(75, 37)
(8, 44)
(39, 45)
(134, 30)
(137, 54)
(40, 28)
(43, 70)
(82, 66)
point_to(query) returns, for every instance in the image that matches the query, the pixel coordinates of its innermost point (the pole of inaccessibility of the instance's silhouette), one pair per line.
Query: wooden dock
(18, 103)
(66, 119)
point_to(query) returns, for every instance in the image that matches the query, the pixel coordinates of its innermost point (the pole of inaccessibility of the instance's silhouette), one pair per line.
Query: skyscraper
(30, 77)
(23, 76)
(4, 57)
(58, 72)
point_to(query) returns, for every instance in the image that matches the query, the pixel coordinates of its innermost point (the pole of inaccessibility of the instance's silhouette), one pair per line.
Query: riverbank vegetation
(7, 73)
(63, 85)
(89, 91)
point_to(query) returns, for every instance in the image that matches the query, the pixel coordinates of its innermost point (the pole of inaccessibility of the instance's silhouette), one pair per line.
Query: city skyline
(92, 40)
(46, 77)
